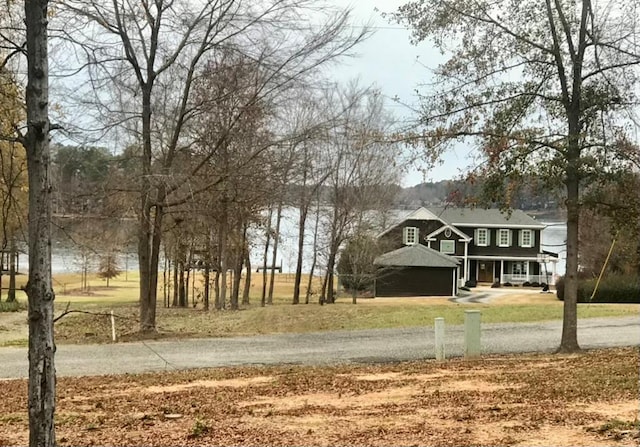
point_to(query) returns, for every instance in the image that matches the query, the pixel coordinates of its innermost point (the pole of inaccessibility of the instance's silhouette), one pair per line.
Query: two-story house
(488, 246)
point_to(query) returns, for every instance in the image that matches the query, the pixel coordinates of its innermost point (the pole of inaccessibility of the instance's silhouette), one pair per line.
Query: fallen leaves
(582, 399)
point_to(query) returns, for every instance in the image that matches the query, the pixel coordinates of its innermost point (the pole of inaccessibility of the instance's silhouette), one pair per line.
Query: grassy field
(281, 317)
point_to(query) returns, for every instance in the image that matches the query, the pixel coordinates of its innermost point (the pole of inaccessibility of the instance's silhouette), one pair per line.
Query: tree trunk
(165, 281)
(237, 277)
(330, 296)
(247, 280)
(145, 233)
(569, 340)
(265, 260)
(207, 279)
(11, 295)
(216, 288)
(222, 297)
(314, 261)
(181, 285)
(274, 254)
(176, 263)
(304, 208)
(39, 288)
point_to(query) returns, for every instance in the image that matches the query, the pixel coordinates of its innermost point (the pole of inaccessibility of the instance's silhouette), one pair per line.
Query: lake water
(66, 260)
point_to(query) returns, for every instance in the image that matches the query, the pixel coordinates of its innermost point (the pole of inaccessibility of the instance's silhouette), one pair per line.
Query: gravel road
(380, 345)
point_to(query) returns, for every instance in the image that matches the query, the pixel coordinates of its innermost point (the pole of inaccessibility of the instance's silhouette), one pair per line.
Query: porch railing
(522, 278)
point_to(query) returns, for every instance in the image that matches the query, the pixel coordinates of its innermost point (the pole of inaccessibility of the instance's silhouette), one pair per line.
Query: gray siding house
(489, 246)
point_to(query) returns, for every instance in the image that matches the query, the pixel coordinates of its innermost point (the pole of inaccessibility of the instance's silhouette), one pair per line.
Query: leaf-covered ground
(586, 399)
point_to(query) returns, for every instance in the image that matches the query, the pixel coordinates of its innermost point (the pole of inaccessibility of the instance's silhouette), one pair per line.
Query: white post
(113, 327)
(439, 339)
(471, 333)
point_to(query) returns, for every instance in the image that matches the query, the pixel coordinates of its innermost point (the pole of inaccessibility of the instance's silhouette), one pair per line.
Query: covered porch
(513, 270)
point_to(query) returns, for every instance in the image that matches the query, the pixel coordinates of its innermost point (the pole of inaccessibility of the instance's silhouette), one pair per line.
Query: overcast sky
(397, 68)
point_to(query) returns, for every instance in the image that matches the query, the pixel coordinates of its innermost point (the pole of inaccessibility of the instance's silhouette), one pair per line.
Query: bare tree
(13, 179)
(362, 168)
(42, 372)
(152, 53)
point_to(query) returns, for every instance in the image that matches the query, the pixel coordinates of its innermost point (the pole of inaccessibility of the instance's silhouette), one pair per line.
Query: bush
(612, 289)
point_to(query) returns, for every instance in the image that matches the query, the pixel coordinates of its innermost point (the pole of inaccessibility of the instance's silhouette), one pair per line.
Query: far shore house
(434, 251)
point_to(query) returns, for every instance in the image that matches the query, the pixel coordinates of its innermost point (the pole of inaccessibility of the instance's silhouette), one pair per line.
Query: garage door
(415, 281)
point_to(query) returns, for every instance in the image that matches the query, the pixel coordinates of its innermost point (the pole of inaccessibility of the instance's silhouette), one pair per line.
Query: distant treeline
(80, 173)
(534, 195)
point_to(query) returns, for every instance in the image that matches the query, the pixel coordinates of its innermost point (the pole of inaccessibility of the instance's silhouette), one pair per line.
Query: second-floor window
(482, 237)
(410, 235)
(526, 238)
(504, 238)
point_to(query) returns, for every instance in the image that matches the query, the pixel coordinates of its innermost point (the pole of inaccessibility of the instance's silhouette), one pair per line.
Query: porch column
(454, 290)
(501, 271)
(466, 261)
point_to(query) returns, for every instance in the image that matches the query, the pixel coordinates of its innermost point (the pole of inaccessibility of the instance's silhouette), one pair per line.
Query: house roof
(416, 256)
(465, 217)
(492, 217)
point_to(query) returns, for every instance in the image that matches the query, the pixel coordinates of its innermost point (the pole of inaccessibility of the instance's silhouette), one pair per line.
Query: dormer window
(504, 238)
(482, 237)
(410, 235)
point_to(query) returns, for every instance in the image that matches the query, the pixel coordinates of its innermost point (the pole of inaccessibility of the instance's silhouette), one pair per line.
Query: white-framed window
(519, 270)
(482, 237)
(504, 238)
(410, 235)
(447, 232)
(448, 247)
(526, 238)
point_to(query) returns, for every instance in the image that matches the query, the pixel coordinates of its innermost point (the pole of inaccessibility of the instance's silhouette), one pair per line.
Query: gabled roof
(444, 228)
(492, 217)
(415, 256)
(420, 214)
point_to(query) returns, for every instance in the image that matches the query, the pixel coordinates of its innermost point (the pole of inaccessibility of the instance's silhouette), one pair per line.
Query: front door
(485, 271)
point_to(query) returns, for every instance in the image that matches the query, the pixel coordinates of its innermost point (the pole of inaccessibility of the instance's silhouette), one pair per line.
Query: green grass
(281, 317)
(13, 306)
(284, 318)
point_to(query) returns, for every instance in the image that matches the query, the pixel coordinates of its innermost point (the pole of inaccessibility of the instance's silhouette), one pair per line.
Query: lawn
(281, 317)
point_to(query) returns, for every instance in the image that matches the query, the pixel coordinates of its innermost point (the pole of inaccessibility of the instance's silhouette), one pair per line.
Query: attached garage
(416, 270)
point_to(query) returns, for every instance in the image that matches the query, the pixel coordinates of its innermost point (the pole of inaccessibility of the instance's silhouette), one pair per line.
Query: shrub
(612, 289)
(526, 284)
